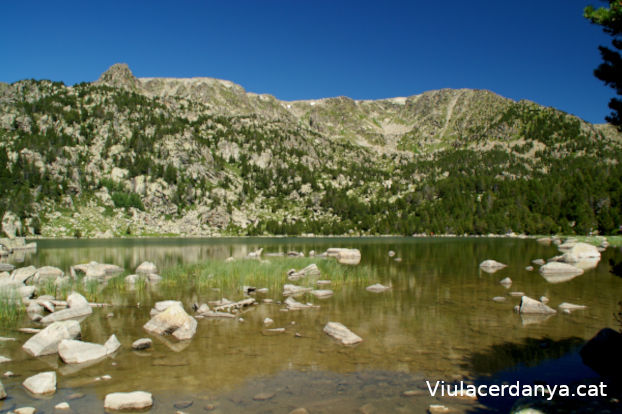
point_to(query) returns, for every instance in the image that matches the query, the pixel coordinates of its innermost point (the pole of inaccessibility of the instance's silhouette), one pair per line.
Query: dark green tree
(610, 71)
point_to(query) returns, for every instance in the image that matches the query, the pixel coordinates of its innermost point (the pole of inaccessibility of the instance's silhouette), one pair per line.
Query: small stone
(300, 410)
(268, 301)
(367, 409)
(264, 396)
(544, 299)
(268, 321)
(499, 299)
(240, 319)
(438, 409)
(183, 404)
(25, 410)
(209, 407)
(9, 374)
(62, 406)
(4, 359)
(110, 315)
(106, 377)
(136, 400)
(529, 268)
(506, 282)
(413, 393)
(75, 396)
(143, 343)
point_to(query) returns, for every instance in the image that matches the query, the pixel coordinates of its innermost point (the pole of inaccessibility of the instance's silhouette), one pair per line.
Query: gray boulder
(47, 272)
(491, 266)
(143, 343)
(23, 274)
(46, 341)
(78, 307)
(556, 268)
(78, 352)
(345, 256)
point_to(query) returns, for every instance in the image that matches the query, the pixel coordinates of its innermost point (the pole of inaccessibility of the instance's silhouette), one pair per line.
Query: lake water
(438, 322)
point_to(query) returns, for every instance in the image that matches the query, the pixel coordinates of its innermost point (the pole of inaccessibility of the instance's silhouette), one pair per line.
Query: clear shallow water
(437, 322)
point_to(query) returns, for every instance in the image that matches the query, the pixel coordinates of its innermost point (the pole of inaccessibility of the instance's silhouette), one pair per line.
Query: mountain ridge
(201, 156)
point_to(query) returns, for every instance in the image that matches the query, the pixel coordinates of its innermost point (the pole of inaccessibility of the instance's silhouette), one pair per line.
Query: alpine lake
(437, 322)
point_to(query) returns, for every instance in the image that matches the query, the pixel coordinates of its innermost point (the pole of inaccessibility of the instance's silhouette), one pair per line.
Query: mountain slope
(202, 156)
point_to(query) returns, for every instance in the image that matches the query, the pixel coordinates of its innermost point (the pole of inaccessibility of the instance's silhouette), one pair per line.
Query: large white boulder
(491, 266)
(41, 384)
(341, 333)
(137, 400)
(46, 342)
(174, 320)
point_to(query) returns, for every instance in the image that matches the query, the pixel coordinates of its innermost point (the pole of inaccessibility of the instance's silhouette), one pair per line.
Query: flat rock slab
(322, 293)
(66, 314)
(571, 306)
(264, 396)
(46, 342)
(78, 352)
(341, 333)
(294, 290)
(41, 384)
(491, 266)
(136, 400)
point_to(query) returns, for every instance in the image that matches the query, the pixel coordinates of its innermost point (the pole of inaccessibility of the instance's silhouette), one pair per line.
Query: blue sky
(544, 51)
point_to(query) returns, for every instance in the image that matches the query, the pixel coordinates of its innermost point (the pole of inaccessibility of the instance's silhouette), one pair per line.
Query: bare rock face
(46, 342)
(532, 306)
(119, 75)
(341, 333)
(41, 384)
(47, 272)
(11, 225)
(137, 400)
(174, 320)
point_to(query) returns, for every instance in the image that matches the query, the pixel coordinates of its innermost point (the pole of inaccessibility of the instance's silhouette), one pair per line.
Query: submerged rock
(95, 270)
(46, 341)
(293, 304)
(565, 306)
(377, 288)
(507, 282)
(532, 306)
(341, 333)
(137, 400)
(322, 293)
(41, 384)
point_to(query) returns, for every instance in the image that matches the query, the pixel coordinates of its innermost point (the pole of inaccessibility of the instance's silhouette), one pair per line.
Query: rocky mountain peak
(119, 75)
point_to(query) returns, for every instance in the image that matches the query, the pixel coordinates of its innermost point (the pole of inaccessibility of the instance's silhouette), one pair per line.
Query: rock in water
(532, 306)
(579, 252)
(46, 342)
(173, 320)
(137, 400)
(147, 268)
(377, 288)
(341, 333)
(77, 352)
(2, 392)
(491, 266)
(112, 344)
(41, 384)
(78, 307)
(143, 343)
(554, 268)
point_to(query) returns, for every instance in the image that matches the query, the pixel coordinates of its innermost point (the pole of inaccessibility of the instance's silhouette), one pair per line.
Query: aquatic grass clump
(11, 308)
(229, 277)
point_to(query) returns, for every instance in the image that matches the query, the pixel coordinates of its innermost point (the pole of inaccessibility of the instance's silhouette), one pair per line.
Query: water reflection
(437, 321)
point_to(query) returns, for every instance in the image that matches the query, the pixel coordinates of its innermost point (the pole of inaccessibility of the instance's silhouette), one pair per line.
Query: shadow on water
(542, 362)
